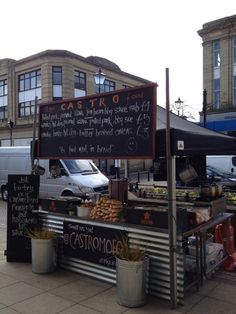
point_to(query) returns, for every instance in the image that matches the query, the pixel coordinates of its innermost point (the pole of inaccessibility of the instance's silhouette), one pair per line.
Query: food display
(230, 197)
(107, 209)
(193, 208)
(181, 194)
(161, 193)
(87, 204)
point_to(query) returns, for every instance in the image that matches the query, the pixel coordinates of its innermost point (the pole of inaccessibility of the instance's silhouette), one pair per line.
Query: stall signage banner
(115, 125)
(92, 243)
(23, 193)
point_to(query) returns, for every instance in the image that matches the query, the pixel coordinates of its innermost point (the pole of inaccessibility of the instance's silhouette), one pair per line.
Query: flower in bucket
(41, 233)
(130, 253)
(131, 274)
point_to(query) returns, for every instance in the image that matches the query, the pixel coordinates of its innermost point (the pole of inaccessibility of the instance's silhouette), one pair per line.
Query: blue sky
(142, 37)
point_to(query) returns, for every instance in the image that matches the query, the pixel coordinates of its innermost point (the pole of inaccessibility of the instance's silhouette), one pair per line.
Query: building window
(29, 85)
(216, 74)
(234, 71)
(3, 100)
(57, 83)
(108, 86)
(79, 84)
(27, 108)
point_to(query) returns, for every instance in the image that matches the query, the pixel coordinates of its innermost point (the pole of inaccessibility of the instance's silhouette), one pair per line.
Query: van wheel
(67, 193)
(4, 193)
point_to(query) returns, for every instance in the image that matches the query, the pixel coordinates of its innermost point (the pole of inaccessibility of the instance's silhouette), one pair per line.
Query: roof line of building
(93, 60)
(218, 24)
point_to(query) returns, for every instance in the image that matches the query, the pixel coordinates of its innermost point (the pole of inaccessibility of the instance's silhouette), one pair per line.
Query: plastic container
(83, 211)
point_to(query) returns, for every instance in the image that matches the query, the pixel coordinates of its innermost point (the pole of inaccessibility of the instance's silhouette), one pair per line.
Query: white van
(223, 162)
(75, 177)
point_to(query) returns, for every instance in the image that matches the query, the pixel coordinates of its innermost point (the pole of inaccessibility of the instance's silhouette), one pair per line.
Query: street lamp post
(99, 78)
(179, 105)
(204, 107)
(10, 125)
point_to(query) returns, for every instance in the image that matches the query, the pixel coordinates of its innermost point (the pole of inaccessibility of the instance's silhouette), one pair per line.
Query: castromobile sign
(115, 125)
(92, 243)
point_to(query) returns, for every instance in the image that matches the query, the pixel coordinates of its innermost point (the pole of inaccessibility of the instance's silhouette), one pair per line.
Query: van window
(234, 161)
(80, 166)
(55, 168)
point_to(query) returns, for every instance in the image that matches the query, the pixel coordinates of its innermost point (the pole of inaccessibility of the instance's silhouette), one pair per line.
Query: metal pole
(11, 125)
(99, 160)
(34, 133)
(11, 142)
(171, 202)
(204, 107)
(126, 168)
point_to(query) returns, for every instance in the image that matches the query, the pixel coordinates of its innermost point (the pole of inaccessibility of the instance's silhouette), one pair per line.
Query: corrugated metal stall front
(154, 241)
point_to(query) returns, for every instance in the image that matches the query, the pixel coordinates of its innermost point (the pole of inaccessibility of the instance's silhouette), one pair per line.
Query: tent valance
(188, 138)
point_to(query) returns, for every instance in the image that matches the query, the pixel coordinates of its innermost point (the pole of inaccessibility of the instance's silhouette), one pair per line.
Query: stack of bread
(107, 209)
(87, 204)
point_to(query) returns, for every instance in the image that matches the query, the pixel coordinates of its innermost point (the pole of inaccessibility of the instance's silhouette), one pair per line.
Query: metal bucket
(131, 281)
(44, 255)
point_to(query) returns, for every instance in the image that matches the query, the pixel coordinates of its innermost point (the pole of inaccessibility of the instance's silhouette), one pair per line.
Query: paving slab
(17, 292)
(8, 310)
(78, 309)
(213, 306)
(45, 303)
(105, 302)
(81, 289)
(225, 292)
(52, 280)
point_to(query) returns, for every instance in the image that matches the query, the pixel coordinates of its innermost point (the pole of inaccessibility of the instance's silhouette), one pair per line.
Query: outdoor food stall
(121, 125)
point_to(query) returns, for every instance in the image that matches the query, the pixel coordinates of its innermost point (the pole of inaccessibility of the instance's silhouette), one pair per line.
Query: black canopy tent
(188, 138)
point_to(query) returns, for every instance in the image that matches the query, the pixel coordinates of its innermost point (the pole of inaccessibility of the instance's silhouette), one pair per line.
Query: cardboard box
(212, 259)
(209, 249)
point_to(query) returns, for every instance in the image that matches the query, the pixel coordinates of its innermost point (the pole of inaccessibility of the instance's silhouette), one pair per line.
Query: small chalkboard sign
(92, 243)
(22, 202)
(116, 125)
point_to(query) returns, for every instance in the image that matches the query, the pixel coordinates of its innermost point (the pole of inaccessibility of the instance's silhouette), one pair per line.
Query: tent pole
(171, 188)
(34, 133)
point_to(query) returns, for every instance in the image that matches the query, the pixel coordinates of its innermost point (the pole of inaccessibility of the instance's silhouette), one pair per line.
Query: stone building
(49, 75)
(219, 74)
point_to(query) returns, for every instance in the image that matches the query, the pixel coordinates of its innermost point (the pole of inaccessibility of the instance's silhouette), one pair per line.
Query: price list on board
(113, 125)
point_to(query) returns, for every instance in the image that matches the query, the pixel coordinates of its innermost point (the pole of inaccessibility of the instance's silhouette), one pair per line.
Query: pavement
(65, 292)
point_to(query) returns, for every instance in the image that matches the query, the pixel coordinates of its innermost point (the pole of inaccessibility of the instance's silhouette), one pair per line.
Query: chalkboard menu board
(112, 125)
(22, 201)
(92, 243)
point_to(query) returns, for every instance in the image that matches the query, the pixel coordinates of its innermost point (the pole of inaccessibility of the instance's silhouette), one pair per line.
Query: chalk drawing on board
(132, 144)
